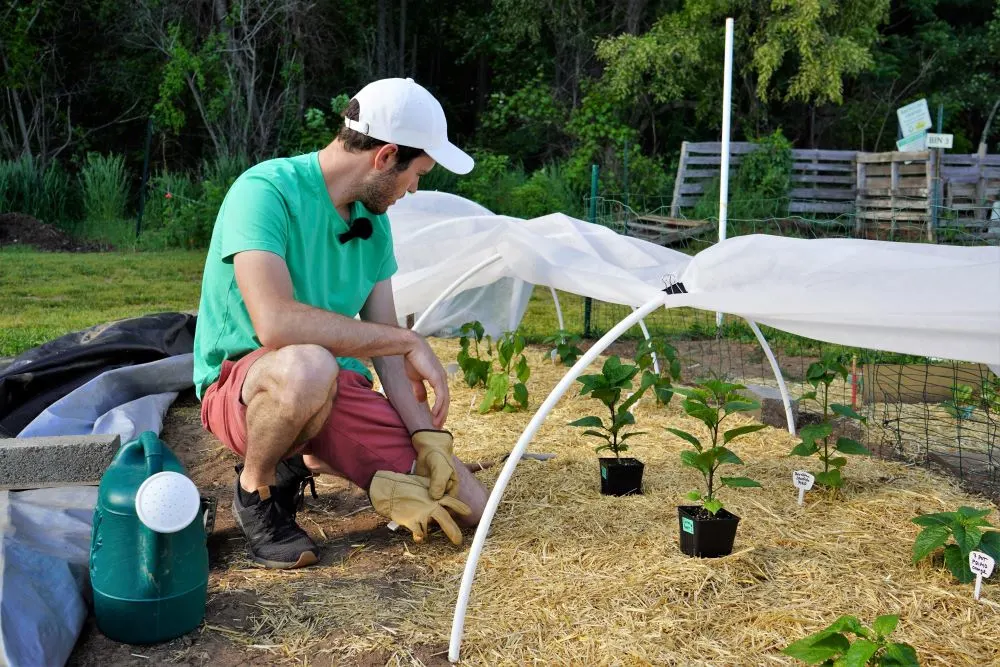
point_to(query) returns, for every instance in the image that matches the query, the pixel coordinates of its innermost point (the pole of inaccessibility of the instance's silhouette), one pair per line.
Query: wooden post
(933, 160)
(893, 187)
(675, 205)
(980, 205)
(859, 193)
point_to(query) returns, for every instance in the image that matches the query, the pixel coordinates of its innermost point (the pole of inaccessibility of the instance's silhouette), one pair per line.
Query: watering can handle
(153, 449)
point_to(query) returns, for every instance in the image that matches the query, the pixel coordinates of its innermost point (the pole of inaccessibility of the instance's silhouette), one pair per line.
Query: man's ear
(385, 156)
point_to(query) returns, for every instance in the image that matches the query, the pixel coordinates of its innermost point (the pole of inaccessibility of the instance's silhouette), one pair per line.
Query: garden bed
(569, 576)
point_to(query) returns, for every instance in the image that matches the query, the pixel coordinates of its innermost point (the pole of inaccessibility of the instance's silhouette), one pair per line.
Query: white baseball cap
(400, 111)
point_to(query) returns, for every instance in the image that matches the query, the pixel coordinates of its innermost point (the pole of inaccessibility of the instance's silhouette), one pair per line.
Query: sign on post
(982, 565)
(913, 143)
(939, 140)
(914, 118)
(803, 481)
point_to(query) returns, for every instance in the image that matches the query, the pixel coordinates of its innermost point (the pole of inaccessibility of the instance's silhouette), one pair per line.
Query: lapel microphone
(358, 228)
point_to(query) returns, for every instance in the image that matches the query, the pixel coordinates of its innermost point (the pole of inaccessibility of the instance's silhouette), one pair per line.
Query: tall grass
(42, 191)
(104, 185)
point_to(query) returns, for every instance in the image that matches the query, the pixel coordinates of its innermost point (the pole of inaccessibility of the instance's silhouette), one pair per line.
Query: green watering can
(148, 549)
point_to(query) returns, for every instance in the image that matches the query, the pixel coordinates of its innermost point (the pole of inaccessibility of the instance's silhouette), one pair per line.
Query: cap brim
(452, 158)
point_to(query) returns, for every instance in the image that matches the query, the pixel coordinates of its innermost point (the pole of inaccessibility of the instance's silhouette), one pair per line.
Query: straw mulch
(570, 577)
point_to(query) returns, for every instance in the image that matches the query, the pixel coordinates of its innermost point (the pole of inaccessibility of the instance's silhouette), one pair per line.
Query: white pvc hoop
(452, 287)
(555, 300)
(458, 622)
(785, 398)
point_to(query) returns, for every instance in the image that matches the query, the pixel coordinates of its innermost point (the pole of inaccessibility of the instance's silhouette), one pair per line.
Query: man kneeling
(301, 246)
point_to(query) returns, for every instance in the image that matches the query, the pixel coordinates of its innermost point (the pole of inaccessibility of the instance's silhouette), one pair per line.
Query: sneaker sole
(306, 558)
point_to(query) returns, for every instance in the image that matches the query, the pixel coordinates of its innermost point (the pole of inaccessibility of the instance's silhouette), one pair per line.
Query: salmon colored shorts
(363, 434)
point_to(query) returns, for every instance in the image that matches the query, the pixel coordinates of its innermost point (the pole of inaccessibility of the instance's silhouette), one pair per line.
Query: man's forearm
(298, 323)
(392, 374)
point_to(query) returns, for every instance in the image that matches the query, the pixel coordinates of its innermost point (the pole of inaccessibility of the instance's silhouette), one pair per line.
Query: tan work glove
(435, 461)
(405, 500)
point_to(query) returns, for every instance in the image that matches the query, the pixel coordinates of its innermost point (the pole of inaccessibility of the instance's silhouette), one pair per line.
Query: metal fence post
(145, 176)
(587, 303)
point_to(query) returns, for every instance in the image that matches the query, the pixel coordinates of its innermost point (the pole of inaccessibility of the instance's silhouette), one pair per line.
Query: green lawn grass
(45, 295)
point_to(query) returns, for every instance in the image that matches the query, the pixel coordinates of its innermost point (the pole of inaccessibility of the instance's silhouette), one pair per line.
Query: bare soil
(18, 229)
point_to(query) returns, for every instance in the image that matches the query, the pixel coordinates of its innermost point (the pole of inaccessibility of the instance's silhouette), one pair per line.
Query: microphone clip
(358, 228)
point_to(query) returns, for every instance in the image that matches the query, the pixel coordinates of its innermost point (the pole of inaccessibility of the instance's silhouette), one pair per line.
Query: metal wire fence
(934, 412)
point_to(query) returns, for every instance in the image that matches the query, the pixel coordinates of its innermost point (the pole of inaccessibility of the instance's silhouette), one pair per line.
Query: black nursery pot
(621, 477)
(704, 535)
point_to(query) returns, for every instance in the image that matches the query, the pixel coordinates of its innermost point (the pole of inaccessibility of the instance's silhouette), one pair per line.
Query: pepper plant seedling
(670, 368)
(959, 533)
(505, 388)
(870, 647)
(712, 402)
(816, 438)
(565, 346)
(615, 378)
(474, 342)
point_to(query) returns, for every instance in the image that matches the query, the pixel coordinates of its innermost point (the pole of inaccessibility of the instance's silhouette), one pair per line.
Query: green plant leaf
(733, 407)
(860, 653)
(740, 483)
(958, 564)
(522, 371)
(713, 505)
(939, 519)
(885, 625)
(808, 396)
(742, 430)
(816, 371)
(848, 446)
(630, 434)
(929, 540)
(587, 421)
(966, 537)
(724, 455)
(804, 449)
(684, 435)
(814, 432)
(899, 655)
(838, 461)
(972, 513)
(848, 623)
(831, 479)
(847, 411)
(496, 390)
(698, 410)
(818, 647)
(693, 495)
(597, 434)
(521, 394)
(705, 460)
(690, 459)
(990, 545)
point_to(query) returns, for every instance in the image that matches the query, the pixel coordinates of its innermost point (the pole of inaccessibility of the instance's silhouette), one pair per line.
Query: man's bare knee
(300, 381)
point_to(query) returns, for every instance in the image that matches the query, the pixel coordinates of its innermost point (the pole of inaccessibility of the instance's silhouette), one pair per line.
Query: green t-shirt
(282, 206)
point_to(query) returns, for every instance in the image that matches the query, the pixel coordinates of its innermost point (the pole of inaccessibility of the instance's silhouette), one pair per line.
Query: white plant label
(803, 481)
(452, 370)
(982, 564)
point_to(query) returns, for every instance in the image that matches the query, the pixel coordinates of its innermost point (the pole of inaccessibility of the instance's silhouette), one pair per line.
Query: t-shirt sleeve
(253, 217)
(389, 267)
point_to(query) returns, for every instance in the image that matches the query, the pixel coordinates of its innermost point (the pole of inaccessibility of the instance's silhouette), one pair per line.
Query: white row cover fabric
(931, 300)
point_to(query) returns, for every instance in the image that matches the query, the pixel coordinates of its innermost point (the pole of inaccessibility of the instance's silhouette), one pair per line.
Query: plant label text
(803, 481)
(982, 564)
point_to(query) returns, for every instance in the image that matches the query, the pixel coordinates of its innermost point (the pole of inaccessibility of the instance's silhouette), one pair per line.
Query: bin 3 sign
(982, 565)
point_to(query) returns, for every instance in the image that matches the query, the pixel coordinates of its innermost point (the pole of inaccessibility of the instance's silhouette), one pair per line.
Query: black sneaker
(275, 540)
(291, 477)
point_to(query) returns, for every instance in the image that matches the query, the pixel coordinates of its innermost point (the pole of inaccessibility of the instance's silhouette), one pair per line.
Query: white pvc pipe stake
(475, 552)
(727, 102)
(785, 398)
